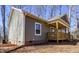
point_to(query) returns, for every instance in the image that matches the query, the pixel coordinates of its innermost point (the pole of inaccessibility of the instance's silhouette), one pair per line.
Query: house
(26, 29)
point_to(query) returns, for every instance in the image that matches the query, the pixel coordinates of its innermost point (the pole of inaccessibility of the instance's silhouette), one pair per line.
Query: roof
(63, 17)
(35, 17)
(54, 18)
(29, 14)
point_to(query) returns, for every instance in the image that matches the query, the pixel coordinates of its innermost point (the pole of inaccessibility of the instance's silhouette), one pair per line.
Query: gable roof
(34, 17)
(63, 17)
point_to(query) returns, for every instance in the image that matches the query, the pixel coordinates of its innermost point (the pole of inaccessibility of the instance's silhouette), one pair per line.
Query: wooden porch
(59, 30)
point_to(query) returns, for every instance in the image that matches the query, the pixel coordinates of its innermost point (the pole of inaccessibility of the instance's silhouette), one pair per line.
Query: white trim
(24, 30)
(40, 28)
(17, 9)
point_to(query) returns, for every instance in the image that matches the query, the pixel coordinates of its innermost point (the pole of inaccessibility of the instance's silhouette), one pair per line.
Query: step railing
(58, 35)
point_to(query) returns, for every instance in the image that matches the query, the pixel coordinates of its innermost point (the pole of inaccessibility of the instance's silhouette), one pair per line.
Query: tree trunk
(60, 10)
(3, 21)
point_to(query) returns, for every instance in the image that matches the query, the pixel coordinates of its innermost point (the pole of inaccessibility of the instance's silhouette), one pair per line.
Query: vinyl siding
(30, 30)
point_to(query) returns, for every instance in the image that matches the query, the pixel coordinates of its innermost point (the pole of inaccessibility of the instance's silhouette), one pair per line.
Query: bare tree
(52, 11)
(43, 11)
(3, 19)
(17, 6)
(60, 9)
(39, 10)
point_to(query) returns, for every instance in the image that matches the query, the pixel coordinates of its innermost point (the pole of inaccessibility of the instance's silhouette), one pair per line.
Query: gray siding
(30, 30)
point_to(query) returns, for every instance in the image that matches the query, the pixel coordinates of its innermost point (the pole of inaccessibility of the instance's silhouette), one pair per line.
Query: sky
(64, 10)
(0, 17)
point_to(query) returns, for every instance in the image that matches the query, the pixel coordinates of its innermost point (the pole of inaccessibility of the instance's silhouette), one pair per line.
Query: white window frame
(40, 28)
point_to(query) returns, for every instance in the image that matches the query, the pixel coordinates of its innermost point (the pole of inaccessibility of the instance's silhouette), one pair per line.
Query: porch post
(65, 37)
(57, 32)
(65, 30)
(68, 33)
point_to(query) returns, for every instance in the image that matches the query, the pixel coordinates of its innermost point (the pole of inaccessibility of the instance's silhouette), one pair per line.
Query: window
(37, 28)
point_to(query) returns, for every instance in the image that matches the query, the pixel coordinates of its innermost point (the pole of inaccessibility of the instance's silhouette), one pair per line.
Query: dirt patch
(6, 47)
(51, 47)
(48, 49)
